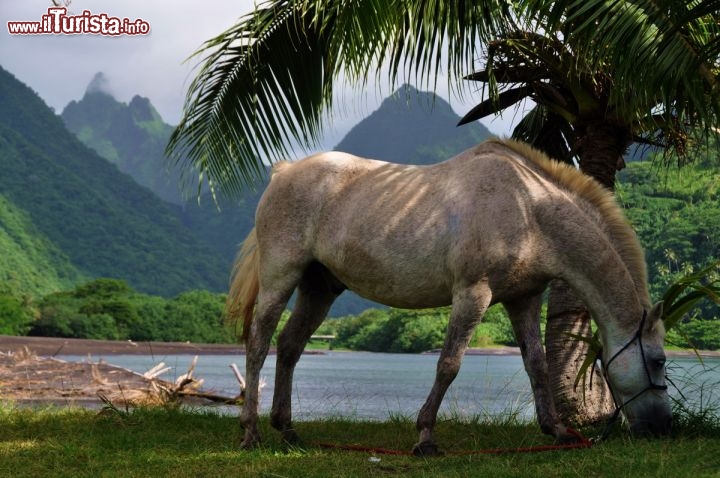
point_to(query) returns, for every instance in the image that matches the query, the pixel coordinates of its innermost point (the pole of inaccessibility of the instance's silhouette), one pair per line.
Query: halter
(605, 367)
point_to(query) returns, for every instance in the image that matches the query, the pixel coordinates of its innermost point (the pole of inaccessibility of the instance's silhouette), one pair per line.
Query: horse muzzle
(657, 424)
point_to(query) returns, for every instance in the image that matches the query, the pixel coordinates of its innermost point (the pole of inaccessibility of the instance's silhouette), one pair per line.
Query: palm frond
(685, 293)
(664, 51)
(548, 132)
(264, 84)
(242, 106)
(588, 364)
(495, 105)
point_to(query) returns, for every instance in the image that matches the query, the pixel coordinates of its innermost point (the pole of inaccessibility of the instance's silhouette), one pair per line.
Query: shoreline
(53, 346)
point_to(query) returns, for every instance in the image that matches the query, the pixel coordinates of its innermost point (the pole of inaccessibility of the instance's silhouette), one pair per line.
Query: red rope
(581, 443)
(374, 451)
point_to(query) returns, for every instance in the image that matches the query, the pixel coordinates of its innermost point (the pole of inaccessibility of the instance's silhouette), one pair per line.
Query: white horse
(494, 224)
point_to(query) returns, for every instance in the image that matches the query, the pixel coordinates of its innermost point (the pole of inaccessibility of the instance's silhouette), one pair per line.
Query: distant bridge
(322, 337)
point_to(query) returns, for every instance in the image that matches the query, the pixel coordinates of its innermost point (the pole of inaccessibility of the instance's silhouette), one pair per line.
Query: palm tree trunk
(589, 402)
(599, 147)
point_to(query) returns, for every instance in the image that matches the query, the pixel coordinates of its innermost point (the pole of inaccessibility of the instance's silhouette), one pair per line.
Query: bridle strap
(637, 336)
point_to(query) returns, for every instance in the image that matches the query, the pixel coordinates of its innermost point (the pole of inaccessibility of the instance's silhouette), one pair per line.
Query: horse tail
(244, 286)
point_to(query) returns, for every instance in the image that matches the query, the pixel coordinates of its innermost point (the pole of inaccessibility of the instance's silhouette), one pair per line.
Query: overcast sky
(59, 67)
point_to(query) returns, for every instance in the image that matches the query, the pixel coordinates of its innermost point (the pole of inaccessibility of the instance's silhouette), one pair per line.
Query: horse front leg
(468, 307)
(267, 316)
(525, 318)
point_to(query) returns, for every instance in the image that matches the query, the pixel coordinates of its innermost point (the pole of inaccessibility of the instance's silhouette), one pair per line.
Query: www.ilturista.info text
(58, 22)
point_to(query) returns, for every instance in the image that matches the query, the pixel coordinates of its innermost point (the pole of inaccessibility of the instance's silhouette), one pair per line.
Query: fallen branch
(210, 396)
(156, 371)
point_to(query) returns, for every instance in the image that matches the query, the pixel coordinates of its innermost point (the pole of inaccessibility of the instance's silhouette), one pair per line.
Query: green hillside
(68, 215)
(30, 263)
(676, 214)
(103, 221)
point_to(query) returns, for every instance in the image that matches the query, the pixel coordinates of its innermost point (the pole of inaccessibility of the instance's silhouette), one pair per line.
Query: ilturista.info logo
(57, 21)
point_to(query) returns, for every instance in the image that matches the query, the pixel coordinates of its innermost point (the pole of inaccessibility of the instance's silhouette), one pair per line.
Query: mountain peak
(408, 98)
(142, 109)
(99, 84)
(406, 89)
(132, 136)
(412, 126)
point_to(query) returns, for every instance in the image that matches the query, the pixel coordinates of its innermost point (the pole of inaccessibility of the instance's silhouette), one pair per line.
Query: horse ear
(655, 314)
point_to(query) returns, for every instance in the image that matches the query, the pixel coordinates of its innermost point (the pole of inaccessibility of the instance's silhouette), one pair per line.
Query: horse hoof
(250, 443)
(567, 437)
(426, 448)
(291, 437)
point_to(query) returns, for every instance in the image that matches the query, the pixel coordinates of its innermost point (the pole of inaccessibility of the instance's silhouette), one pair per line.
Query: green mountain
(412, 127)
(99, 218)
(131, 136)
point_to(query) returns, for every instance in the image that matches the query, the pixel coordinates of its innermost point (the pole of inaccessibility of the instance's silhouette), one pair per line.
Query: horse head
(635, 371)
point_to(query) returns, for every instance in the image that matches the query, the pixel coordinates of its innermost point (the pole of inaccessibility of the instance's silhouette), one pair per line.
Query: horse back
(408, 235)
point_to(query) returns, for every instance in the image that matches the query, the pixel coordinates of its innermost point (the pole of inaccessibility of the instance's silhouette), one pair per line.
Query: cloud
(99, 84)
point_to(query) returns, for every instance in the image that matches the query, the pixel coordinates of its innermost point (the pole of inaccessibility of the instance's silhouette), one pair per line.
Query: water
(378, 386)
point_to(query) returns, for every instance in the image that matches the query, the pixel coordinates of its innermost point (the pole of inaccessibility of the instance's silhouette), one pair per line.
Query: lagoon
(379, 386)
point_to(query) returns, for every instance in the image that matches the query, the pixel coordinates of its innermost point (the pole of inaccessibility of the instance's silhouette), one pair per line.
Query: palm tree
(593, 102)
(588, 110)
(603, 74)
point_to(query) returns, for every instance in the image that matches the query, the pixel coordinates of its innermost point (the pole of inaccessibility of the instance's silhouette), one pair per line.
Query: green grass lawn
(183, 443)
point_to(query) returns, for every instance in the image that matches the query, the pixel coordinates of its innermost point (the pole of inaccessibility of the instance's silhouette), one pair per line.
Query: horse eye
(659, 362)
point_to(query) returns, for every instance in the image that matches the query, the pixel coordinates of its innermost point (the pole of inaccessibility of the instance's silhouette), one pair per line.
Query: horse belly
(397, 278)
(403, 293)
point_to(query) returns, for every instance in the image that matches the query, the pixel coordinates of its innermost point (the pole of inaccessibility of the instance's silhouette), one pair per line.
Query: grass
(73, 442)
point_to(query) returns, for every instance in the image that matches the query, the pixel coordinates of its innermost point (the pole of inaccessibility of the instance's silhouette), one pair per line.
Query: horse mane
(279, 166)
(618, 228)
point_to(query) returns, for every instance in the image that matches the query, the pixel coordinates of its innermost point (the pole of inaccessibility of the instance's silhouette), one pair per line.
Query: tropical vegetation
(109, 309)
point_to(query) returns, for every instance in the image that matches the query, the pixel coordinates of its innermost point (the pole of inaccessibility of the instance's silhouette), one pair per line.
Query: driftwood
(26, 377)
(188, 387)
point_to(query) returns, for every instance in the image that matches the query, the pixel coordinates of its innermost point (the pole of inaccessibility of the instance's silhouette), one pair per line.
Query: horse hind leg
(317, 290)
(525, 318)
(271, 302)
(468, 307)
